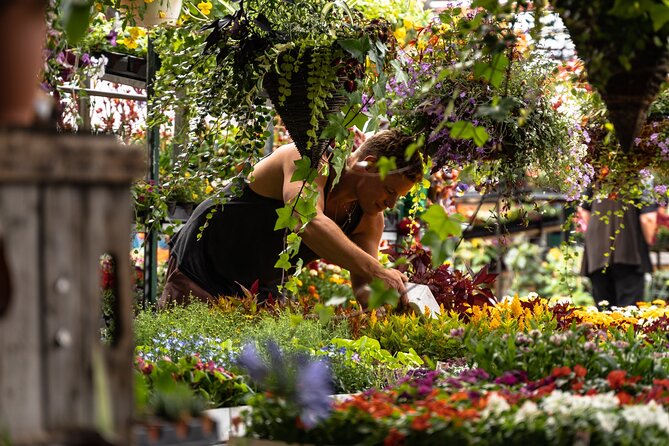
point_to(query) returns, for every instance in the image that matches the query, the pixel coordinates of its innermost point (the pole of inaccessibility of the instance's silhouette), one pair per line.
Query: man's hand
(395, 279)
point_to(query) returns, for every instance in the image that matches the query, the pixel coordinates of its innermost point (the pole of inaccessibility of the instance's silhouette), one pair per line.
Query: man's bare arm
(648, 222)
(328, 241)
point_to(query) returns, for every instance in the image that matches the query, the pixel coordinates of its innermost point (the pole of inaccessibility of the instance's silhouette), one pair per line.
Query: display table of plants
(517, 371)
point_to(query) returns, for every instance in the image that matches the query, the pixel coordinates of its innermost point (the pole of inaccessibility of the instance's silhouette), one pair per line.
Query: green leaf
(304, 171)
(400, 74)
(385, 165)
(461, 130)
(480, 136)
(411, 148)
(293, 242)
(659, 15)
(441, 223)
(381, 295)
(357, 48)
(336, 128)
(283, 262)
(440, 249)
(306, 205)
(286, 218)
(488, 5)
(324, 312)
(76, 16)
(494, 71)
(498, 109)
(338, 161)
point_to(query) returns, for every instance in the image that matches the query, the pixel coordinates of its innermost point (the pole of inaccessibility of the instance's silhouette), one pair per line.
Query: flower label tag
(420, 298)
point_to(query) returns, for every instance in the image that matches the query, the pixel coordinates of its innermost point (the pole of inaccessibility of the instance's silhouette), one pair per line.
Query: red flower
(394, 438)
(580, 371)
(561, 371)
(616, 378)
(624, 397)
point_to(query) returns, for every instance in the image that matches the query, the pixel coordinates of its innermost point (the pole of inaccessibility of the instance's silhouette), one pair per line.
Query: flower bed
(517, 371)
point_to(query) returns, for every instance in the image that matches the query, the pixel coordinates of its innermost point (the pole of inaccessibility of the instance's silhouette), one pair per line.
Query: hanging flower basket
(154, 13)
(294, 107)
(626, 56)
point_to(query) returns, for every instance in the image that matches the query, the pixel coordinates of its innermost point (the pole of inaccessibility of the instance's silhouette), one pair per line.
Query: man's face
(375, 195)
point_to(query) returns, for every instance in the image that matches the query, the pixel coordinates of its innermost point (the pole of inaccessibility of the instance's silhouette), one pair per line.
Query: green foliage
(429, 337)
(538, 352)
(362, 364)
(180, 331)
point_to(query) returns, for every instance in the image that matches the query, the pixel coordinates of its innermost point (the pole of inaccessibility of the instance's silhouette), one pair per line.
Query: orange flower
(459, 396)
(421, 422)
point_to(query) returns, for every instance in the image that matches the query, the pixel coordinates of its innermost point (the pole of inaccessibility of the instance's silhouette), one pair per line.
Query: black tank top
(240, 245)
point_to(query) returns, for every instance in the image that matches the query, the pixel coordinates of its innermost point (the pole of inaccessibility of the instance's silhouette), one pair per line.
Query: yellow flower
(136, 32)
(208, 189)
(194, 195)
(128, 42)
(205, 7)
(408, 24)
(400, 34)
(161, 14)
(148, 1)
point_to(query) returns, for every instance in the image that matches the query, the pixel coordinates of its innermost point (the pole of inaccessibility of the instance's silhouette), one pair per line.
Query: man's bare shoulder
(370, 224)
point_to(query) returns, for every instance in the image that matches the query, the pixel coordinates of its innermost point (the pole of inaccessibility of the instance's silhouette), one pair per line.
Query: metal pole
(153, 144)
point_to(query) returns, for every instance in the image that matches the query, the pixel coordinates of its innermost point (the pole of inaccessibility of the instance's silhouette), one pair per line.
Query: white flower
(645, 415)
(607, 421)
(496, 406)
(527, 412)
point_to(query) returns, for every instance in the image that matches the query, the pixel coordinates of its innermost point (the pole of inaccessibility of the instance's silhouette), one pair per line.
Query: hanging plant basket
(294, 108)
(154, 13)
(627, 60)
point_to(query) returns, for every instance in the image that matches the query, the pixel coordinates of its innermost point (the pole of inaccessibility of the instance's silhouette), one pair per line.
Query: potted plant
(625, 47)
(148, 13)
(307, 54)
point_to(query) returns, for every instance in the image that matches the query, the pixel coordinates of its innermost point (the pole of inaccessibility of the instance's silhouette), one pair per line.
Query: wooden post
(65, 201)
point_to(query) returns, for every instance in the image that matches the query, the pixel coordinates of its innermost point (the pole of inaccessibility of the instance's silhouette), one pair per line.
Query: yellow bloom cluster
(510, 314)
(645, 313)
(134, 33)
(205, 7)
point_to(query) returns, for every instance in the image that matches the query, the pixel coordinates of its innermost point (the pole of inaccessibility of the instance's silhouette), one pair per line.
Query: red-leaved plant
(454, 289)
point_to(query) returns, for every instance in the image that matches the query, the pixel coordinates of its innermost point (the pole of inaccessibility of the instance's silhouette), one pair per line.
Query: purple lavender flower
(314, 387)
(250, 360)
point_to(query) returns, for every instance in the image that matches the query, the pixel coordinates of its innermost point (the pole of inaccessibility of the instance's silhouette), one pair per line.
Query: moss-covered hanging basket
(625, 47)
(304, 99)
